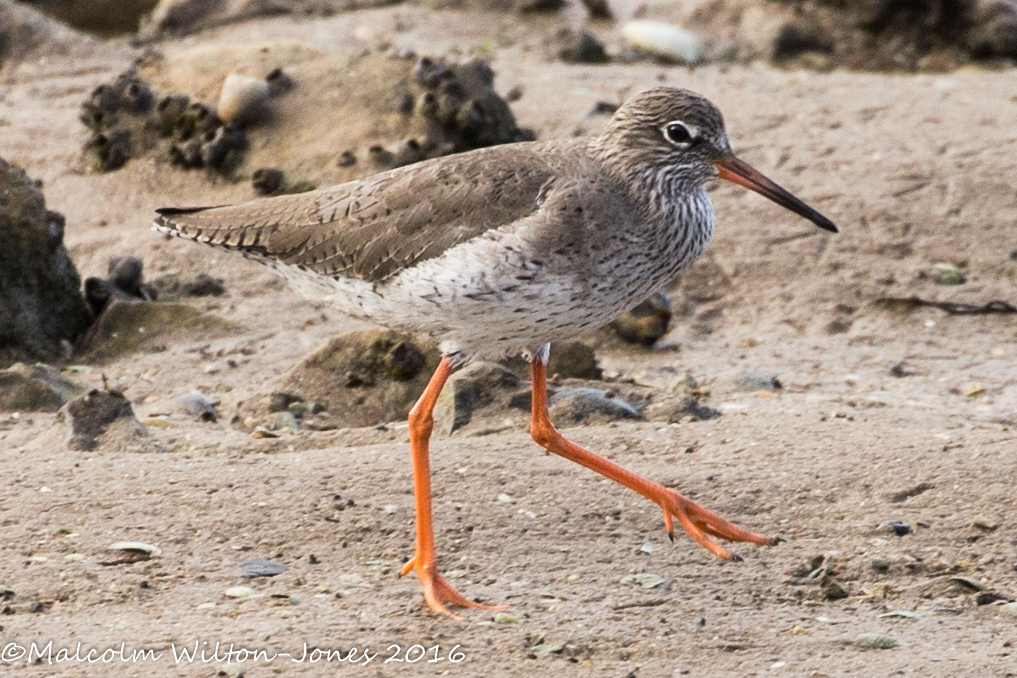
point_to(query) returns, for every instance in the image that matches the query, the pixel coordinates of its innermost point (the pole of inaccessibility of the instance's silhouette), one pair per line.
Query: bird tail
(201, 224)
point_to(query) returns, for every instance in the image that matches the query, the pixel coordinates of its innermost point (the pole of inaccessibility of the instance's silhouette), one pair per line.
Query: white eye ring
(677, 132)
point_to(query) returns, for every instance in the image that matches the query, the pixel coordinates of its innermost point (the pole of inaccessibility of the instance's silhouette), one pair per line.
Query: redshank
(505, 250)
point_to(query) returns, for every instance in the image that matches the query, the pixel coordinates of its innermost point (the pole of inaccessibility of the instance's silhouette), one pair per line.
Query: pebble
(239, 592)
(505, 618)
(259, 567)
(644, 579)
(1009, 609)
(832, 590)
(663, 40)
(897, 527)
(880, 564)
(268, 181)
(74, 557)
(544, 649)
(198, 405)
(755, 380)
(576, 405)
(136, 546)
(505, 499)
(243, 99)
(647, 322)
(205, 606)
(877, 641)
(984, 523)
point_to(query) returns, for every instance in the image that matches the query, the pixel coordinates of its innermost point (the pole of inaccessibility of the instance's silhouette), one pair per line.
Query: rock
(876, 641)
(242, 100)
(832, 590)
(993, 29)
(589, 405)
(646, 323)
(127, 325)
(575, 46)
(356, 380)
(984, 523)
(123, 552)
(104, 420)
(188, 284)
(897, 527)
(573, 360)
(755, 380)
(1009, 609)
(880, 564)
(476, 387)
(36, 388)
(268, 181)
(598, 9)
(198, 405)
(645, 580)
(680, 409)
(239, 592)
(42, 311)
(663, 41)
(104, 18)
(800, 35)
(259, 567)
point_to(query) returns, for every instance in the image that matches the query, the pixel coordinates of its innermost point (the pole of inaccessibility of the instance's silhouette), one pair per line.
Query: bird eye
(678, 133)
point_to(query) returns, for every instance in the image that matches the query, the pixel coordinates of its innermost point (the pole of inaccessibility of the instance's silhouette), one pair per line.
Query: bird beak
(742, 173)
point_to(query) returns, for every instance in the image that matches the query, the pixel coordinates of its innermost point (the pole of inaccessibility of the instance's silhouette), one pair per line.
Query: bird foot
(438, 592)
(700, 522)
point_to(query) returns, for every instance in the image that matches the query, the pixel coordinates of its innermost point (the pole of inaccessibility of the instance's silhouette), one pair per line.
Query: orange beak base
(742, 173)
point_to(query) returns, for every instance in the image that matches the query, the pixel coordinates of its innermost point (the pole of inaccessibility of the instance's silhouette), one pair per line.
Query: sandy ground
(917, 170)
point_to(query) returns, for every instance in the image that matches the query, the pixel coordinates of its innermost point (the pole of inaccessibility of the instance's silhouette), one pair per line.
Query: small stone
(259, 567)
(243, 99)
(576, 46)
(880, 564)
(876, 641)
(574, 360)
(268, 181)
(544, 649)
(505, 499)
(984, 523)
(198, 405)
(123, 552)
(664, 41)
(832, 590)
(644, 579)
(583, 405)
(897, 527)
(239, 592)
(205, 606)
(1009, 609)
(505, 618)
(950, 274)
(754, 380)
(74, 557)
(646, 323)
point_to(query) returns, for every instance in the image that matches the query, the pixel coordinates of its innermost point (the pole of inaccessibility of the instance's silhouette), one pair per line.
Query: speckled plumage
(500, 250)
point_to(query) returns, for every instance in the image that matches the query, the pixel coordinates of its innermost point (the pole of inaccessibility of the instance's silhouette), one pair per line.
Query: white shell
(664, 40)
(242, 100)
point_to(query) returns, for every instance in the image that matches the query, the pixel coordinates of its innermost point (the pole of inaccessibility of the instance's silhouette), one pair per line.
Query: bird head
(674, 136)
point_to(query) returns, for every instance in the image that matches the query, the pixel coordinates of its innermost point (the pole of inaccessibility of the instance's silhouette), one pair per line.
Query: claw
(701, 524)
(438, 592)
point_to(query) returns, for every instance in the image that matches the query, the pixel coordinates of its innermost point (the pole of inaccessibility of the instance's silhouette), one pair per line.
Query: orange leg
(437, 591)
(697, 521)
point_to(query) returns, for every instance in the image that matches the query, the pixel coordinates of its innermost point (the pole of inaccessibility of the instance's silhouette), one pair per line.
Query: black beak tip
(827, 225)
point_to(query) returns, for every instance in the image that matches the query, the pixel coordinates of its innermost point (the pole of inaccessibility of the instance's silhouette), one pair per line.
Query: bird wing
(376, 227)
